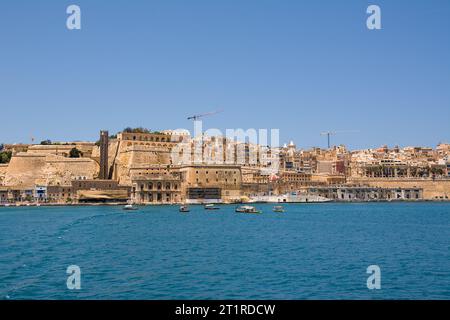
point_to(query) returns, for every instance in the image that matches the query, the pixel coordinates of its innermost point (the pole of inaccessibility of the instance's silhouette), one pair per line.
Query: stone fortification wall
(3, 169)
(30, 169)
(131, 156)
(432, 189)
(62, 149)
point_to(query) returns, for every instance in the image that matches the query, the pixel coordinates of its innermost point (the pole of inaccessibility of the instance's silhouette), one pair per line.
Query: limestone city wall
(30, 169)
(432, 189)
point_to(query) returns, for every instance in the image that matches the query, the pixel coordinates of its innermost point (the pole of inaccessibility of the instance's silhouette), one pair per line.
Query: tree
(46, 142)
(75, 153)
(5, 156)
(136, 130)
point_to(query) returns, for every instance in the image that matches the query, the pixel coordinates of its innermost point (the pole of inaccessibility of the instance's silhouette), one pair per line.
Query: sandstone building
(139, 166)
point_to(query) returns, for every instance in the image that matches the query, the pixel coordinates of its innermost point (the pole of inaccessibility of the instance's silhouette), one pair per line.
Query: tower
(104, 142)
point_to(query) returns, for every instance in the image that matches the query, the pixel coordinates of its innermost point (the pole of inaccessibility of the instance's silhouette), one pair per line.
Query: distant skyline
(303, 67)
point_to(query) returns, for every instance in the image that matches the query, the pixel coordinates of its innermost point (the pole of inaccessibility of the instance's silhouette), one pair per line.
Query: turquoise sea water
(313, 251)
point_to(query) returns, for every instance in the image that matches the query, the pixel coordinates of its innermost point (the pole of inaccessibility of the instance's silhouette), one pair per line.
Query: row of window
(159, 197)
(165, 145)
(151, 138)
(217, 172)
(159, 186)
(217, 180)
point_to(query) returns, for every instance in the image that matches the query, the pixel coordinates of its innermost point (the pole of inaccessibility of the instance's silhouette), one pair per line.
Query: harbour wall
(432, 189)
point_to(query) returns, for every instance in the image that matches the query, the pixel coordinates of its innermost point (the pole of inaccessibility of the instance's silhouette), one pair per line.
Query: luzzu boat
(247, 209)
(211, 206)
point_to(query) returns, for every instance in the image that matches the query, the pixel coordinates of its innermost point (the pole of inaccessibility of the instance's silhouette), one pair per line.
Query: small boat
(278, 209)
(129, 207)
(184, 209)
(211, 206)
(247, 209)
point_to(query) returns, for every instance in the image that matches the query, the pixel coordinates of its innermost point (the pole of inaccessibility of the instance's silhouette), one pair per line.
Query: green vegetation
(75, 153)
(5, 156)
(46, 142)
(113, 136)
(136, 130)
(49, 142)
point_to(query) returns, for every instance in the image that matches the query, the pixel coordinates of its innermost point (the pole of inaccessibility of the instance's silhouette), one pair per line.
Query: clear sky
(300, 66)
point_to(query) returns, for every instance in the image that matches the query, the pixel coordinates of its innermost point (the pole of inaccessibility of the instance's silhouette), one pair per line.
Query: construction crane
(331, 133)
(198, 116)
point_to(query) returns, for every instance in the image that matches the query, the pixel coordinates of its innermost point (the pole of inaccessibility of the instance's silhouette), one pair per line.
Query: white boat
(278, 209)
(129, 207)
(247, 209)
(211, 206)
(184, 208)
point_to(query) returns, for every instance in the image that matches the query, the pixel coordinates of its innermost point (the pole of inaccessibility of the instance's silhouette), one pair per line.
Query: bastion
(432, 189)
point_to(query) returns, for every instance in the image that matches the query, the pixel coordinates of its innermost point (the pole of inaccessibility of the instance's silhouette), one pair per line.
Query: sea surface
(312, 251)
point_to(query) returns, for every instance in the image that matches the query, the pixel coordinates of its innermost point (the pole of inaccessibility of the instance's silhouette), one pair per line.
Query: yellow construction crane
(331, 133)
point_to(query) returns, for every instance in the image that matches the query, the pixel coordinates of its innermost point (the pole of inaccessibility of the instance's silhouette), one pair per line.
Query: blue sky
(300, 66)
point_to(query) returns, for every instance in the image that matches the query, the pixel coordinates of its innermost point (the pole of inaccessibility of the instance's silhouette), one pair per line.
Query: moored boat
(184, 208)
(129, 207)
(247, 209)
(211, 206)
(278, 209)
